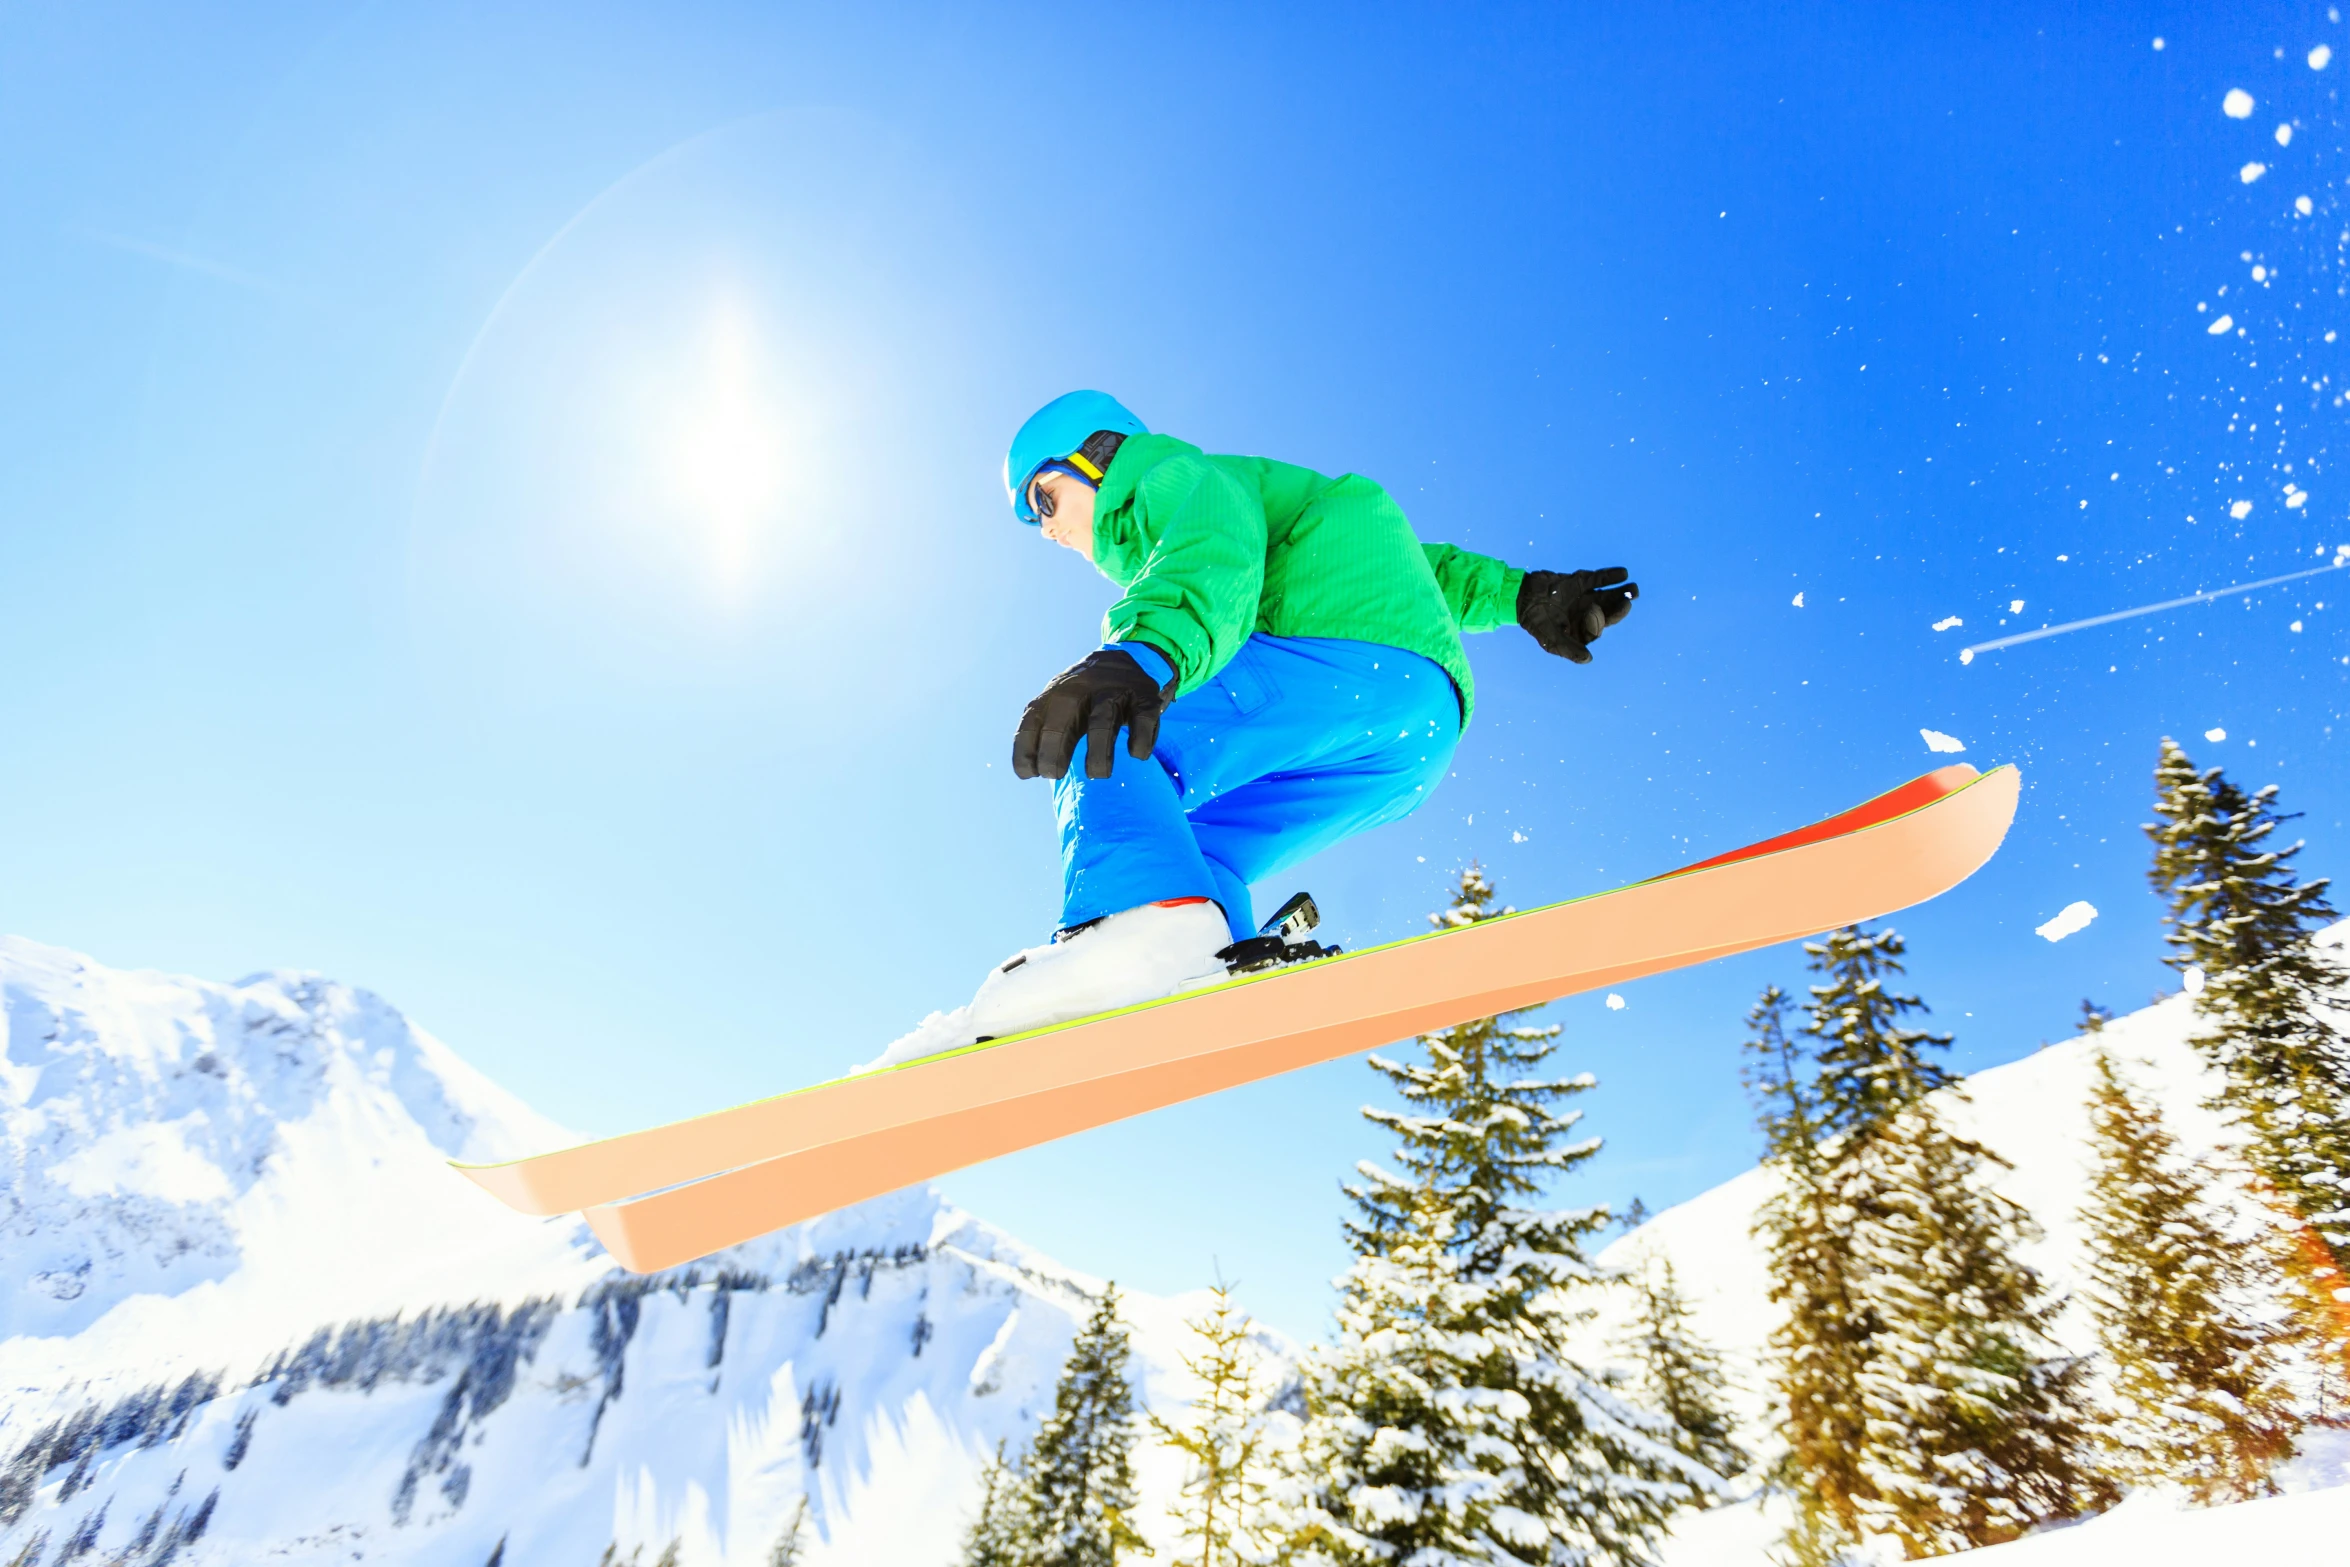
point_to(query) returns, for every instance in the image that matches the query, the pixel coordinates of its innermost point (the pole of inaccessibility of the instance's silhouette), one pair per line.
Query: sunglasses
(1040, 499)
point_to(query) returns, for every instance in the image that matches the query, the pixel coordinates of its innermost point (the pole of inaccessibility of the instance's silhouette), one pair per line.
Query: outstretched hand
(1566, 611)
(1091, 700)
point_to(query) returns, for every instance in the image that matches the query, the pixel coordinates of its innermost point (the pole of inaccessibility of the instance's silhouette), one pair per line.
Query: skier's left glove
(1091, 700)
(1566, 611)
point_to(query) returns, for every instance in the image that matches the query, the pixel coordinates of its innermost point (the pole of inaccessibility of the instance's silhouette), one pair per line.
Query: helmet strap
(1093, 458)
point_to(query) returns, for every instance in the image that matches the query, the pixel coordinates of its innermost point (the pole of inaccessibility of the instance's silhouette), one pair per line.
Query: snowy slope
(250, 1315)
(2033, 1113)
(253, 1316)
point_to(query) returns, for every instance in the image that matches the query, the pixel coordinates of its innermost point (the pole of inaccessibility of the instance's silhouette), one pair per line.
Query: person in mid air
(1284, 662)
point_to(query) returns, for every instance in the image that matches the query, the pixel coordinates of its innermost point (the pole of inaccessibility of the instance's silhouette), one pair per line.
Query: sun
(728, 453)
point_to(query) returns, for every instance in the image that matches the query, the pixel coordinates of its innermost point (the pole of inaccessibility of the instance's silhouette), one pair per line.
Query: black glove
(1091, 699)
(1567, 610)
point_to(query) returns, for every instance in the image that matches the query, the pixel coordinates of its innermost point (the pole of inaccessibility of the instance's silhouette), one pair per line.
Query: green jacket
(1210, 549)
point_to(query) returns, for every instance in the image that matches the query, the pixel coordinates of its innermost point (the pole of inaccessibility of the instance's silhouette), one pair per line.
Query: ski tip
(512, 1185)
(609, 1223)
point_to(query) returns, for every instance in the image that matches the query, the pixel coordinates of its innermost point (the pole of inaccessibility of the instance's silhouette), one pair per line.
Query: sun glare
(730, 455)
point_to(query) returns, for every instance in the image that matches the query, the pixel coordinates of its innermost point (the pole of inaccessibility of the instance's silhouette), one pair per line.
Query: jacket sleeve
(1482, 592)
(1197, 595)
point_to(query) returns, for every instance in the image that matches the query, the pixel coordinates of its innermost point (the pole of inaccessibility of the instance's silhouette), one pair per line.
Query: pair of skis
(672, 1193)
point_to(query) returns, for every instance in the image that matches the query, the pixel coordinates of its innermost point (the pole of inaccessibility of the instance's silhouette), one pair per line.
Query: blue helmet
(1052, 436)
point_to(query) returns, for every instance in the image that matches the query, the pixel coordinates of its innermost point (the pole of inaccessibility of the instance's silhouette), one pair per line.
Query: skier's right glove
(1566, 611)
(1091, 700)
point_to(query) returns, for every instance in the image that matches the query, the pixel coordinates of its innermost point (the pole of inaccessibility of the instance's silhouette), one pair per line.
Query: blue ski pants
(1297, 743)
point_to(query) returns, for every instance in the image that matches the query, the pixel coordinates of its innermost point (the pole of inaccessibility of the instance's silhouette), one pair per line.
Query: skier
(1285, 664)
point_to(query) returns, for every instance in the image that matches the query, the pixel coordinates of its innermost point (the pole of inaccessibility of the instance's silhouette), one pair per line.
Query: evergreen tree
(1077, 1490)
(998, 1536)
(792, 1544)
(2200, 1392)
(1681, 1374)
(1450, 1423)
(2241, 918)
(1924, 1400)
(1225, 1510)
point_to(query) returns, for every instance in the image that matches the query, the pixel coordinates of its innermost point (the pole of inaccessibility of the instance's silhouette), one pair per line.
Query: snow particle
(2192, 982)
(2159, 44)
(2284, 135)
(2260, 274)
(2240, 510)
(2294, 501)
(2295, 626)
(2237, 105)
(2251, 171)
(2303, 205)
(1615, 1003)
(2073, 917)
(1936, 740)
(2223, 324)
(2215, 736)
(2321, 57)
(1966, 655)
(2015, 606)
(1799, 601)
(1947, 621)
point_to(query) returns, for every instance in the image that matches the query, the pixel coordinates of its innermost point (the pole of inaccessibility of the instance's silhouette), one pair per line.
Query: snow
(1799, 601)
(2251, 171)
(1947, 622)
(2237, 105)
(2071, 919)
(2239, 509)
(2215, 736)
(242, 1192)
(2284, 136)
(1615, 1003)
(2015, 606)
(2033, 1113)
(2223, 324)
(1936, 740)
(2320, 57)
(2154, 1532)
(247, 1184)
(2303, 205)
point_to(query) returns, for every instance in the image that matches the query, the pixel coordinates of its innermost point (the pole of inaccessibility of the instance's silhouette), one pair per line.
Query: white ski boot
(1138, 955)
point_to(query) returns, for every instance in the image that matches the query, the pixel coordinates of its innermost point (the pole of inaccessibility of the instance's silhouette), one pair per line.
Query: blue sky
(500, 505)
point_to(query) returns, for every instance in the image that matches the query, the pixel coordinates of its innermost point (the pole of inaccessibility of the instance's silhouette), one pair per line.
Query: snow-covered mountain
(248, 1314)
(251, 1315)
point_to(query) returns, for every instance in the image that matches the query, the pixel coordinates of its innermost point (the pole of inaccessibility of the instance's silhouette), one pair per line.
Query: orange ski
(776, 1161)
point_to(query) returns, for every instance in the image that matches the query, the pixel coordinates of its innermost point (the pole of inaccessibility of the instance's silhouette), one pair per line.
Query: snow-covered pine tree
(1821, 1344)
(999, 1535)
(1224, 1510)
(1451, 1423)
(792, 1544)
(1680, 1373)
(2240, 916)
(2200, 1394)
(1077, 1493)
(1926, 1402)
